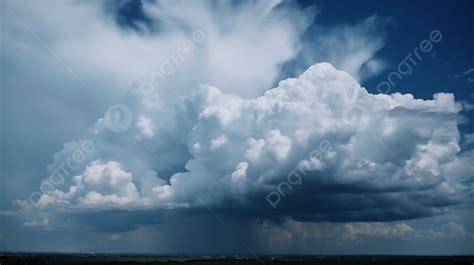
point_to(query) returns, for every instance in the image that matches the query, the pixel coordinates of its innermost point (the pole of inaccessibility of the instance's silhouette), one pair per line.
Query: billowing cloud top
(317, 147)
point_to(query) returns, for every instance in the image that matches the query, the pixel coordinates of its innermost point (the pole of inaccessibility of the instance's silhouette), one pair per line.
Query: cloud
(351, 48)
(231, 42)
(217, 142)
(395, 168)
(35, 223)
(240, 171)
(77, 56)
(146, 125)
(291, 232)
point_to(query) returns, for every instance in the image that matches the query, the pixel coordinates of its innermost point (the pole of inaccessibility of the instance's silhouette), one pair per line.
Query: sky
(237, 127)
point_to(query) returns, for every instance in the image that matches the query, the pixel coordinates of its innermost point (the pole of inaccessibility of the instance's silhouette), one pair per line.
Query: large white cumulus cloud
(233, 152)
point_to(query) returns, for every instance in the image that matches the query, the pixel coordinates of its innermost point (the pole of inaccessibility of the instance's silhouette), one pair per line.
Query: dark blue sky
(409, 23)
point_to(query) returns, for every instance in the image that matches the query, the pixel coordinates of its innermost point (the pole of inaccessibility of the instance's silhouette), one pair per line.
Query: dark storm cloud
(246, 160)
